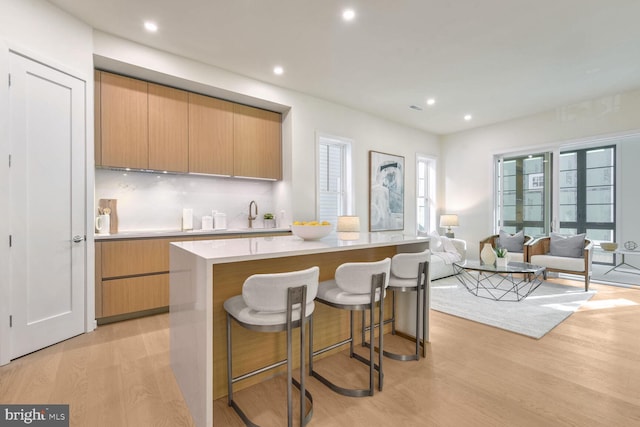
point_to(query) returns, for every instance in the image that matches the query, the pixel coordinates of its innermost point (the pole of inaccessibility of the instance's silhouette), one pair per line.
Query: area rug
(534, 316)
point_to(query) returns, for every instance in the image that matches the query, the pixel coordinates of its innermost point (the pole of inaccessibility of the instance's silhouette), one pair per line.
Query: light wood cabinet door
(257, 143)
(97, 128)
(121, 296)
(168, 129)
(123, 258)
(123, 120)
(210, 135)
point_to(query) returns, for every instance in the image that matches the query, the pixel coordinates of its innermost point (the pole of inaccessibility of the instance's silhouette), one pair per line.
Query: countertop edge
(332, 245)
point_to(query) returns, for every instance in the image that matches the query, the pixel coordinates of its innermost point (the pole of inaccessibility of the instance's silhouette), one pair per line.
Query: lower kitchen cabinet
(132, 275)
(122, 296)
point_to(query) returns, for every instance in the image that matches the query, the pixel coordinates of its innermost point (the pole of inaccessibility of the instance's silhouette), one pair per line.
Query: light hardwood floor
(585, 372)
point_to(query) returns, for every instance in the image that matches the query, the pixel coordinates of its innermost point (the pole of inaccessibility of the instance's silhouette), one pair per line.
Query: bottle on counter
(220, 221)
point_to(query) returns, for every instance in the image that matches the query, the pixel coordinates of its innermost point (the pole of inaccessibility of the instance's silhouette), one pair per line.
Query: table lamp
(348, 227)
(447, 221)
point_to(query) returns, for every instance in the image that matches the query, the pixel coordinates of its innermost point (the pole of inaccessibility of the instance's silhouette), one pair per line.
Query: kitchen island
(203, 274)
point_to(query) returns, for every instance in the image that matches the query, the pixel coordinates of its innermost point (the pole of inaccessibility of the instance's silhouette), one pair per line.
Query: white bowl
(311, 232)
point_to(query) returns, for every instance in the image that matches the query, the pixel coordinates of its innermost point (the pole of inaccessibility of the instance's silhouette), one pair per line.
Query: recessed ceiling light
(431, 101)
(278, 70)
(348, 14)
(152, 27)
(468, 117)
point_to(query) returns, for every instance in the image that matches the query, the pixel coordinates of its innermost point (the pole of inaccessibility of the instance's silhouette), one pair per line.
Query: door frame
(5, 287)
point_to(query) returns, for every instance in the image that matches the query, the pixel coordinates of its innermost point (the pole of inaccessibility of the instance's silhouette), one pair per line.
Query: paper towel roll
(187, 219)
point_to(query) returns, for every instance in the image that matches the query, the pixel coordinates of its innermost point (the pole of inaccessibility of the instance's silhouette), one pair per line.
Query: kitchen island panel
(253, 350)
(205, 273)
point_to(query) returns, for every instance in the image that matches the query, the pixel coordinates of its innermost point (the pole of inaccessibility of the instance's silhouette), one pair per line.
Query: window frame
(346, 206)
(429, 198)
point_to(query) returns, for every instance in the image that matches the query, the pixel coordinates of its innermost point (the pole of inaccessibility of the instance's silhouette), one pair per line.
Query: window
(587, 193)
(425, 195)
(585, 190)
(334, 196)
(523, 191)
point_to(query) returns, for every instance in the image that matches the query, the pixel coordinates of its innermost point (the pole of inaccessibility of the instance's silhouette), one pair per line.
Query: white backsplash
(154, 201)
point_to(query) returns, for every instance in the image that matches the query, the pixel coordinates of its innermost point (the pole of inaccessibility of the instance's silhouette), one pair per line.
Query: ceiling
(493, 59)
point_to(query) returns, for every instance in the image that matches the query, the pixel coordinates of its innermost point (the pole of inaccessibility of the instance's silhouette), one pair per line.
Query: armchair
(513, 255)
(539, 253)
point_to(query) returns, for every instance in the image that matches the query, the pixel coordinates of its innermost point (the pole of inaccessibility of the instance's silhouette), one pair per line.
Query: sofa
(444, 252)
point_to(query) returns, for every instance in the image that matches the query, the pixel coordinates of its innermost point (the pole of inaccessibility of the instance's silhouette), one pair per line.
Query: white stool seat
(329, 291)
(400, 282)
(273, 303)
(409, 273)
(238, 308)
(357, 286)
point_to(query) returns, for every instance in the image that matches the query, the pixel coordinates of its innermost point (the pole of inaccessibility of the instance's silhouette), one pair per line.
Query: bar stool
(274, 303)
(357, 286)
(409, 273)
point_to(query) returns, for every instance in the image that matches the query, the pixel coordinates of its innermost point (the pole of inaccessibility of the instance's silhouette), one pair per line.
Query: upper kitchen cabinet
(123, 121)
(168, 129)
(257, 143)
(97, 129)
(210, 135)
(143, 125)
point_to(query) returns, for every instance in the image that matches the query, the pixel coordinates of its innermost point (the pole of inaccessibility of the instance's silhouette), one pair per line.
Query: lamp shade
(348, 223)
(449, 220)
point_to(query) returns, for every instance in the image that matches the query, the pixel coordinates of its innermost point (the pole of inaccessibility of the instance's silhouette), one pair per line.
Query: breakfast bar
(203, 274)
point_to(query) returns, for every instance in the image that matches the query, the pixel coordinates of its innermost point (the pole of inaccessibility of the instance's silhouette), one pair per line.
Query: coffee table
(513, 282)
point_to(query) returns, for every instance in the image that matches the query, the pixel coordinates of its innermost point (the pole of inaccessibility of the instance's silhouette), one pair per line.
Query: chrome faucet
(251, 218)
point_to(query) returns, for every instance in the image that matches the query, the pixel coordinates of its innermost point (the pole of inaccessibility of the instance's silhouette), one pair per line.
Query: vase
(502, 262)
(487, 255)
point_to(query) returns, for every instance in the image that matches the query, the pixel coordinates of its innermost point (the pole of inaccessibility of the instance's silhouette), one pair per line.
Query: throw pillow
(435, 242)
(447, 246)
(567, 246)
(511, 243)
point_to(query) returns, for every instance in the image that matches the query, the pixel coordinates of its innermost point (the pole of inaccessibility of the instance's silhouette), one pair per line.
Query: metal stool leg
(377, 282)
(422, 284)
(294, 296)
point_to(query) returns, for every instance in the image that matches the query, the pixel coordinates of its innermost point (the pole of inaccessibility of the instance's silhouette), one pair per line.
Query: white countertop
(142, 234)
(244, 249)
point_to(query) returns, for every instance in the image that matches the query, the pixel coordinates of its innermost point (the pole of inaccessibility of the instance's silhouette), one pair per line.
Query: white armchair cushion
(515, 256)
(435, 242)
(559, 263)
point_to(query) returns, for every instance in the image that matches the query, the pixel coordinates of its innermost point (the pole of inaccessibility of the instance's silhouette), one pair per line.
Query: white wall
(467, 173)
(41, 31)
(304, 116)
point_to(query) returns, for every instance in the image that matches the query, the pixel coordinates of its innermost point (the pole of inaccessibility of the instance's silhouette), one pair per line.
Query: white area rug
(534, 316)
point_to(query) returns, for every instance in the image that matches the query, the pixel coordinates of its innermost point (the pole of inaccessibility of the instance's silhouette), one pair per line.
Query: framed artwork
(386, 192)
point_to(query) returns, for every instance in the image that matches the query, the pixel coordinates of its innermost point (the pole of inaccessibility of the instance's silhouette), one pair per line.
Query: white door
(47, 193)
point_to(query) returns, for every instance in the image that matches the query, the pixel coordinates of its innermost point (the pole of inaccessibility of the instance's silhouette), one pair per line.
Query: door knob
(77, 239)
